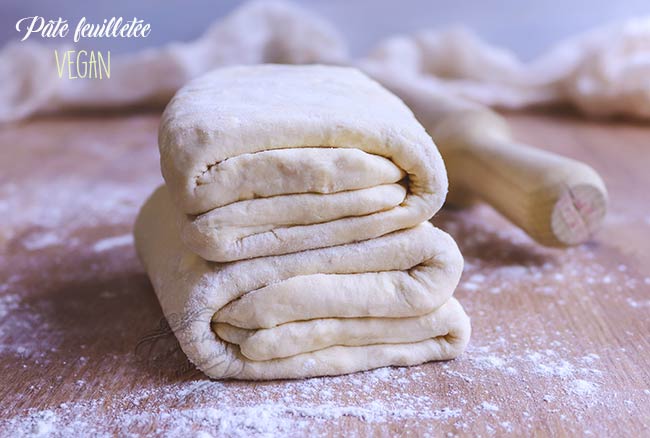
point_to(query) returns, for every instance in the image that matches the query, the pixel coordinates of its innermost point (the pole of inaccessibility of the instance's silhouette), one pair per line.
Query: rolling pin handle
(556, 200)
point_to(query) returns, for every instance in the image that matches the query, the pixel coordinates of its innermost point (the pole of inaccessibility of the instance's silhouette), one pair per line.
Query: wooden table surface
(560, 338)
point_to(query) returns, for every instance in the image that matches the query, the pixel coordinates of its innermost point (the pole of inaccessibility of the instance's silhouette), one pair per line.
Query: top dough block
(236, 111)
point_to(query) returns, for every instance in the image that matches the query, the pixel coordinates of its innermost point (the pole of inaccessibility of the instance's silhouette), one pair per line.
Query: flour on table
(113, 242)
(41, 240)
(49, 214)
(584, 387)
(487, 406)
(524, 354)
(8, 303)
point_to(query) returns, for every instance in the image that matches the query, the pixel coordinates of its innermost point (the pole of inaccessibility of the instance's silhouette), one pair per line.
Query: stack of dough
(292, 238)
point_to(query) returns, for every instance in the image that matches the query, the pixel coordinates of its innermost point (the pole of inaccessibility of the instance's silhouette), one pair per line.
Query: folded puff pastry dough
(379, 302)
(274, 159)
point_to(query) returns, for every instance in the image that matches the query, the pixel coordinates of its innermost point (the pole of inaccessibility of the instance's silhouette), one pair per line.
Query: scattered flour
(547, 365)
(8, 303)
(51, 212)
(217, 408)
(40, 240)
(584, 387)
(490, 361)
(520, 354)
(636, 304)
(113, 242)
(489, 407)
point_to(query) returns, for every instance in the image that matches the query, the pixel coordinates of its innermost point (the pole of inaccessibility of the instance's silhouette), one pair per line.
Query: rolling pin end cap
(578, 213)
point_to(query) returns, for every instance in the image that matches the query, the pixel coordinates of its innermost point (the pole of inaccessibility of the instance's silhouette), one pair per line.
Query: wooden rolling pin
(556, 200)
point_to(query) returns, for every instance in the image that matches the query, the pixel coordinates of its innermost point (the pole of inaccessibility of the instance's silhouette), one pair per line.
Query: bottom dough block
(363, 305)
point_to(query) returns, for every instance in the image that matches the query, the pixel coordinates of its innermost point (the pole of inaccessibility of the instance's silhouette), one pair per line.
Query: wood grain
(560, 337)
(556, 200)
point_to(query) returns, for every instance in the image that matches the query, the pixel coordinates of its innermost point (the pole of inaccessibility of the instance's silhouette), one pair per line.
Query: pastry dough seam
(443, 338)
(210, 166)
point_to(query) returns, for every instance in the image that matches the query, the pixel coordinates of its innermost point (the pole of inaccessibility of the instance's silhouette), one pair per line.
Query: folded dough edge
(240, 112)
(191, 291)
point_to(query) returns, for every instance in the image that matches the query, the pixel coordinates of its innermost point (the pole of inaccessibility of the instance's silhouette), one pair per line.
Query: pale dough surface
(276, 141)
(327, 311)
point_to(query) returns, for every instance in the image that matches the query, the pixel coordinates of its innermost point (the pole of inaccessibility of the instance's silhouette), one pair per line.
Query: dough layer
(243, 139)
(326, 311)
